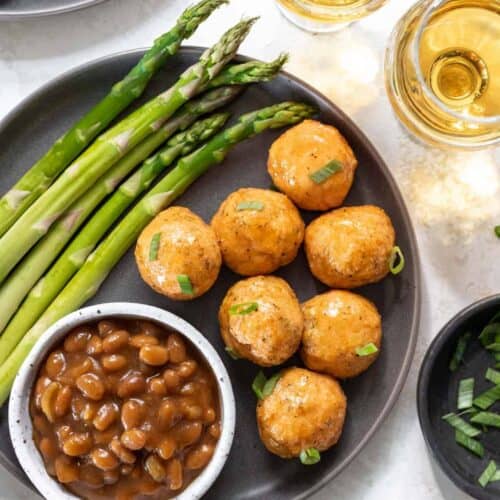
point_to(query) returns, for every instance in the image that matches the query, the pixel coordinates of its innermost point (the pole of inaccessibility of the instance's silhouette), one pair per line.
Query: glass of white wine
(326, 15)
(442, 72)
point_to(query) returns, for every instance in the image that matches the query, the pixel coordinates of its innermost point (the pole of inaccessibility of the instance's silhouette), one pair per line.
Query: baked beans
(125, 409)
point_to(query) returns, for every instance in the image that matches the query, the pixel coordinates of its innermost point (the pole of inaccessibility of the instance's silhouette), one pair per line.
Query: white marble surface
(458, 250)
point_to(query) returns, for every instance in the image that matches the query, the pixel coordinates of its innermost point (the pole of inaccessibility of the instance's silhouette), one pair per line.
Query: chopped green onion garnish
(324, 173)
(154, 246)
(497, 231)
(245, 308)
(495, 347)
(250, 205)
(487, 474)
(496, 476)
(367, 350)
(185, 284)
(460, 424)
(487, 398)
(489, 334)
(458, 355)
(232, 353)
(469, 443)
(263, 387)
(258, 385)
(469, 411)
(496, 355)
(271, 384)
(396, 261)
(486, 418)
(310, 456)
(493, 376)
(465, 393)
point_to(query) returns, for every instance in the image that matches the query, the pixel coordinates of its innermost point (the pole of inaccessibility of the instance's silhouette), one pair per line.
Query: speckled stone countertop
(454, 199)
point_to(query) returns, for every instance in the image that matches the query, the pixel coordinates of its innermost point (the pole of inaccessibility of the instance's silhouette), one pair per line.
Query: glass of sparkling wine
(326, 15)
(442, 72)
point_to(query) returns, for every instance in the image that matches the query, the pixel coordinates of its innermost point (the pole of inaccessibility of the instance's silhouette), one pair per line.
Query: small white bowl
(20, 425)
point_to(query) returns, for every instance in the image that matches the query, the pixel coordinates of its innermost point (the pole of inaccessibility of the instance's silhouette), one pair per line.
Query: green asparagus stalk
(25, 276)
(84, 243)
(41, 175)
(99, 264)
(113, 145)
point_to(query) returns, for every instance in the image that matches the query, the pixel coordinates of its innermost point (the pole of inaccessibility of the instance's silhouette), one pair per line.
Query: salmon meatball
(305, 410)
(258, 231)
(177, 254)
(261, 320)
(296, 162)
(338, 325)
(350, 247)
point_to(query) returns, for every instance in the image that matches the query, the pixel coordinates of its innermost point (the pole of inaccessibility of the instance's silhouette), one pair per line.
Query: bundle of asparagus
(44, 224)
(36, 181)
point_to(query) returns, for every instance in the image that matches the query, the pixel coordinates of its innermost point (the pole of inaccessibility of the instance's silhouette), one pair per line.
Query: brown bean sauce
(125, 409)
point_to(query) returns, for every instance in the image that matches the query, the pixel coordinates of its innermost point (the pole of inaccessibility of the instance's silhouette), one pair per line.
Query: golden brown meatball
(303, 150)
(258, 231)
(186, 254)
(337, 324)
(305, 410)
(350, 247)
(271, 333)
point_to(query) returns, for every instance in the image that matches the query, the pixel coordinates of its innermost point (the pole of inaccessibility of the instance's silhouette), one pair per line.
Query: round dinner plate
(19, 9)
(251, 472)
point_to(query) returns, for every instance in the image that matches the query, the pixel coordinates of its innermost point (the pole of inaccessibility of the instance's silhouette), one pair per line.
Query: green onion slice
(154, 247)
(471, 444)
(245, 308)
(496, 355)
(496, 476)
(489, 334)
(232, 353)
(487, 418)
(271, 384)
(487, 474)
(487, 398)
(367, 350)
(310, 456)
(460, 424)
(458, 355)
(263, 387)
(493, 376)
(495, 347)
(497, 231)
(324, 173)
(465, 393)
(185, 284)
(396, 261)
(258, 385)
(250, 205)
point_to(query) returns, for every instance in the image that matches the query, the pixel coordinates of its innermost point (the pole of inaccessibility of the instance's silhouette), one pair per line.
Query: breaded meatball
(271, 332)
(350, 247)
(337, 323)
(305, 410)
(178, 247)
(258, 231)
(303, 150)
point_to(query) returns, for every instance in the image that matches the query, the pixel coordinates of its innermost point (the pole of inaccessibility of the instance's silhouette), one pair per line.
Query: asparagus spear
(24, 276)
(98, 265)
(41, 175)
(113, 145)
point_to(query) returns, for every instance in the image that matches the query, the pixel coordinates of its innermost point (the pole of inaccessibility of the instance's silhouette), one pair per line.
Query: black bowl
(437, 396)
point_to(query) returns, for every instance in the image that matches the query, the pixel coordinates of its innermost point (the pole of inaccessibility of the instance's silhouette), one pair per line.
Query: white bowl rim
(20, 425)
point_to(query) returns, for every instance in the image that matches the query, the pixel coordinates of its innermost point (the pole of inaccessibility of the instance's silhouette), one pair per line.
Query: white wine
(324, 13)
(443, 75)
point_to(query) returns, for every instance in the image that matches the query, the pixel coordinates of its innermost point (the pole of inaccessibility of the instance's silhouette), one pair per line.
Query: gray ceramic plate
(18, 9)
(251, 472)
